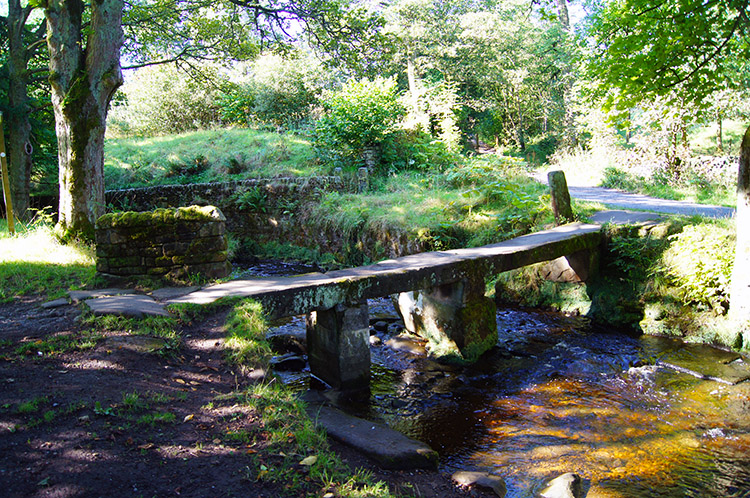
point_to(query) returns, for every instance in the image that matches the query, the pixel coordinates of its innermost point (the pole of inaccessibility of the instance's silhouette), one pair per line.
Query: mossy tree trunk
(84, 74)
(740, 292)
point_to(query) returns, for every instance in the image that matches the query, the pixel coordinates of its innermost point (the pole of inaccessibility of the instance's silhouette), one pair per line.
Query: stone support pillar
(580, 266)
(457, 319)
(338, 346)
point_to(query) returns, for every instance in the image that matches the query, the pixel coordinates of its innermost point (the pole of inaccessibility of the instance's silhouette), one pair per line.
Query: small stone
(481, 480)
(55, 304)
(288, 363)
(395, 328)
(256, 375)
(380, 326)
(375, 340)
(564, 486)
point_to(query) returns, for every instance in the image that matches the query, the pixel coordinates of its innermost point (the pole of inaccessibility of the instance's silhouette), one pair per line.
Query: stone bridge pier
(457, 319)
(338, 345)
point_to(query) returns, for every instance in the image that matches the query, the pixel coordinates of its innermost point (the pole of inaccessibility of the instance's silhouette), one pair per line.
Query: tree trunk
(519, 130)
(562, 14)
(719, 136)
(19, 125)
(84, 74)
(739, 306)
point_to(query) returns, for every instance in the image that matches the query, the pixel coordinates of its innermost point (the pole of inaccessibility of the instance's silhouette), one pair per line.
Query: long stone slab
(285, 296)
(130, 305)
(391, 449)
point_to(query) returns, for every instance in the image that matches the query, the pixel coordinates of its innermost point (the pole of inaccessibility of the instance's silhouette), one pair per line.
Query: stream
(557, 395)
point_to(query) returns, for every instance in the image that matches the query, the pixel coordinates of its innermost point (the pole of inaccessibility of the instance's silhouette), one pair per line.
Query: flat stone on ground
(132, 305)
(623, 217)
(167, 293)
(57, 303)
(391, 449)
(137, 343)
(78, 296)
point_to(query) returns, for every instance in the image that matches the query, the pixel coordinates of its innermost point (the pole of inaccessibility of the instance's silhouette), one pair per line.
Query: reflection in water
(556, 396)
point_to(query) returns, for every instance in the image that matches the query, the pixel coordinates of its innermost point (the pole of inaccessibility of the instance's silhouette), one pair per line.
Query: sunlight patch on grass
(36, 263)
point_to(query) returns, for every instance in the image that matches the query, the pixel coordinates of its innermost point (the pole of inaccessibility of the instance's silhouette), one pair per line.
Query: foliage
(362, 114)
(648, 47)
(158, 100)
(282, 91)
(699, 261)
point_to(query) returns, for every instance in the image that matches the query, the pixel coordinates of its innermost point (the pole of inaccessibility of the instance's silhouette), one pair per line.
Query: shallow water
(557, 396)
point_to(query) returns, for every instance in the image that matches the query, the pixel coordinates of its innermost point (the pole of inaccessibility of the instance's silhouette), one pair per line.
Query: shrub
(162, 99)
(699, 261)
(361, 115)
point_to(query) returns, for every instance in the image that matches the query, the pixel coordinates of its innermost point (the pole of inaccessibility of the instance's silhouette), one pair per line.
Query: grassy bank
(204, 156)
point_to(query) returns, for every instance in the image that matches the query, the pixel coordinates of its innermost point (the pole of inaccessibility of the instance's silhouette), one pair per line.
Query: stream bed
(557, 396)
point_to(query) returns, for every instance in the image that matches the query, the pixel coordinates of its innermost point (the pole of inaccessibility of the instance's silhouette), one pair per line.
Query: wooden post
(558, 190)
(6, 181)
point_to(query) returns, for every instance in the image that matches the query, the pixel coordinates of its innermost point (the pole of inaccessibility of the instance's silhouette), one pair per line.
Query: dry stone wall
(166, 242)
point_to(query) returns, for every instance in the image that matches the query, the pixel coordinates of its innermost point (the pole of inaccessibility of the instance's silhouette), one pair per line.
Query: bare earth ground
(83, 439)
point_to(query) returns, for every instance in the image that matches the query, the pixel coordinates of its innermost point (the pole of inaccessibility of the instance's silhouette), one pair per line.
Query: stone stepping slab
(83, 295)
(128, 305)
(391, 449)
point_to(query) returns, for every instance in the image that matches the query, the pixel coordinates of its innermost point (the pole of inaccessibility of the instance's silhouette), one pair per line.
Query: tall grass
(209, 155)
(34, 263)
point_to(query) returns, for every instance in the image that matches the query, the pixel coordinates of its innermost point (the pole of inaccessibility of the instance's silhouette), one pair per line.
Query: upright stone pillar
(338, 346)
(457, 319)
(558, 189)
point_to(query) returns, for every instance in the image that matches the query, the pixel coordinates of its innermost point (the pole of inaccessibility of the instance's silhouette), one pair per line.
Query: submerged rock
(564, 486)
(288, 363)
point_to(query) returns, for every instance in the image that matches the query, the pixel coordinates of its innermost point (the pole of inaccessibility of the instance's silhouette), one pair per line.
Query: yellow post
(6, 182)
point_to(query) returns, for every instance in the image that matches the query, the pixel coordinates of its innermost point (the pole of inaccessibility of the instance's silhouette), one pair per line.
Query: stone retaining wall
(167, 242)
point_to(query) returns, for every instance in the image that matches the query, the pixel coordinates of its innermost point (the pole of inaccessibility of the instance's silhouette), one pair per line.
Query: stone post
(362, 180)
(558, 190)
(338, 346)
(457, 319)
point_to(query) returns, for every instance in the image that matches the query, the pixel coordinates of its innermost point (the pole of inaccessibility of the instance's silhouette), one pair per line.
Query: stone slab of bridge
(443, 293)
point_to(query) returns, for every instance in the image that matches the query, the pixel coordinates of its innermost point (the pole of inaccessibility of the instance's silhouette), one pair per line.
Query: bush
(160, 100)
(699, 261)
(280, 91)
(361, 115)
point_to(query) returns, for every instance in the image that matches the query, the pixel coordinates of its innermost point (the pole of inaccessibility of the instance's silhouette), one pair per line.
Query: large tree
(84, 40)
(682, 48)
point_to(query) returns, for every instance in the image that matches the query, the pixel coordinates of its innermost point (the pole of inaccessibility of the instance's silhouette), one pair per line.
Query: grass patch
(245, 343)
(209, 155)
(703, 139)
(34, 263)
(61, 343)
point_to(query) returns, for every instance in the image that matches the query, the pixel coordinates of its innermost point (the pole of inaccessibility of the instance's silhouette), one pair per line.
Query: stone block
(338, 346)
(457, 319)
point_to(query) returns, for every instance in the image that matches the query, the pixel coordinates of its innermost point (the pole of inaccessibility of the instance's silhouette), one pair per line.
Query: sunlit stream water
(557, 396)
